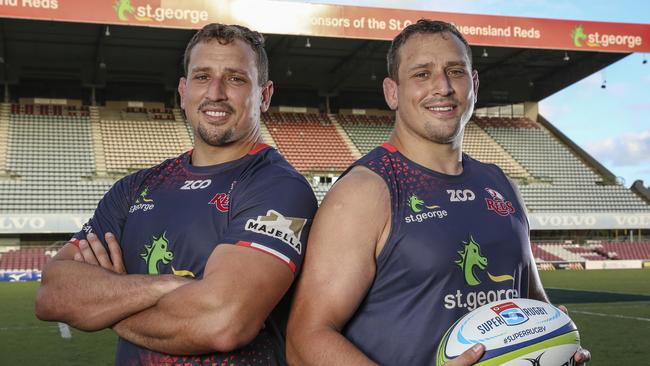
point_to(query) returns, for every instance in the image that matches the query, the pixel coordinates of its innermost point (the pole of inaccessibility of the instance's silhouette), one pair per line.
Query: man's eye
(422, 75)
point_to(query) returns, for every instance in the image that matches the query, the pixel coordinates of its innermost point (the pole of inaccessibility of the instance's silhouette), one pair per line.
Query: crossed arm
(92, 297)
(220, 312)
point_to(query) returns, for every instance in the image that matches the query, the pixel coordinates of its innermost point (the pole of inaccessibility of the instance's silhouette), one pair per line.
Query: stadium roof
(93, 47)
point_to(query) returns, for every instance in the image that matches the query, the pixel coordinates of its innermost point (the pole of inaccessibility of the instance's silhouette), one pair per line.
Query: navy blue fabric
(423, 284)
(258, 201)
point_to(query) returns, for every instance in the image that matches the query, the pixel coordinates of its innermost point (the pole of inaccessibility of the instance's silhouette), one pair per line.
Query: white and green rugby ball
(515, 332)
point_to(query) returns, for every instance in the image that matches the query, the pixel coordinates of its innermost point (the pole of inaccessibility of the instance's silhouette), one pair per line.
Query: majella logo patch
(276, 225)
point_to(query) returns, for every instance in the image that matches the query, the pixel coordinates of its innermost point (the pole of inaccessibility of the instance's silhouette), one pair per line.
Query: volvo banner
(41, 223)
(589, 221)
(71, 223)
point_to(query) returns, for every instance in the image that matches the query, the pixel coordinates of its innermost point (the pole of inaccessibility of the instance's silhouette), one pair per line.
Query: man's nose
(441, 84)
(217, 90)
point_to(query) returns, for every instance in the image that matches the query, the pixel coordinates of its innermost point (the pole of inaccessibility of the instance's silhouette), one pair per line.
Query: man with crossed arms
(211, 241)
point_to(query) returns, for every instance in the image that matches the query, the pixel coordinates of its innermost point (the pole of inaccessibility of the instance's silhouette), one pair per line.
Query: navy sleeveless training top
(456, 243)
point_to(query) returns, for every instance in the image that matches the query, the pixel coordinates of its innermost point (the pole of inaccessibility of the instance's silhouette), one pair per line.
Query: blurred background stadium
(89, 95)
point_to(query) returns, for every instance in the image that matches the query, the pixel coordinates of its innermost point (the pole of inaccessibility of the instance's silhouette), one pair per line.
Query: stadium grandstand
(90, 95)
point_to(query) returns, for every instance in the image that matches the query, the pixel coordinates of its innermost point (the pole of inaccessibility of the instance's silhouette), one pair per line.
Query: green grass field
(25, 340)
(610, 307)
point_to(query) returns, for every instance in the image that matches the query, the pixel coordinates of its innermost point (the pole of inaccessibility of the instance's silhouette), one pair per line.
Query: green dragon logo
(578, 36)
(415, 202)
(122, 7)
(470, 258)
(143, 196)
(157, 252)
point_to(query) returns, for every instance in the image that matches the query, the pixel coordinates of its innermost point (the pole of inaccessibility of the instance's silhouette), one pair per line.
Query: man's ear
(267, 93)
(181, 90)
(390, 93)
(475, 81)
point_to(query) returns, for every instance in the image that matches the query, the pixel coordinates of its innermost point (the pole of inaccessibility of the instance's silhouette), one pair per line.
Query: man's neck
(206, 155)
(442, 158)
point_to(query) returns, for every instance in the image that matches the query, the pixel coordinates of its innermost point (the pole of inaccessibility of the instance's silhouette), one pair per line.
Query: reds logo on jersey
(498, 203)
(221, 201)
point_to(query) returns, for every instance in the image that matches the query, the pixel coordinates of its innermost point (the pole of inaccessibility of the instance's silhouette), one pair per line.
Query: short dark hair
(423, 26)
(226, 34)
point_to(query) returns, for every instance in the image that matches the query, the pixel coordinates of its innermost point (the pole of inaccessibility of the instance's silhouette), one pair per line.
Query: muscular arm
(221, 312)
(89, 297)
(348, 230)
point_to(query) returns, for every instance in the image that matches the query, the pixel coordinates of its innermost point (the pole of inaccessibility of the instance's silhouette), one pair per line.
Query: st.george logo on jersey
(510, 313)
(498, 203)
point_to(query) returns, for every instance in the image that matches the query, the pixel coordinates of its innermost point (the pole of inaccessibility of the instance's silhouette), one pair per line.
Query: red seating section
(639, 250)
(366, 119)
(50, 110)
(309, 141)
(501, 122)
(24, 259)
(544, 256)
(586, 253)
(557, 251)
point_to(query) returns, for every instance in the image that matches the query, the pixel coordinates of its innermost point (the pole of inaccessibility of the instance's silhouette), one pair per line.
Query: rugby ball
(515, 332)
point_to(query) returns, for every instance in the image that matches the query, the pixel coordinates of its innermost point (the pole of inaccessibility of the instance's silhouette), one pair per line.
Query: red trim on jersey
(258, 148)
(388, 146)
(270, 251)
(75, 242)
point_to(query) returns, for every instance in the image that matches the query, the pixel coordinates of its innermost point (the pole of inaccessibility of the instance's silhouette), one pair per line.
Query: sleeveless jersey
(169, 219)
(456, 243)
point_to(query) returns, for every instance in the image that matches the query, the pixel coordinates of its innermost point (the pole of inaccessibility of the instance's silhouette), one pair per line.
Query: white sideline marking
(605, 292)
(65, 331)
(11, 329)
(611, 315)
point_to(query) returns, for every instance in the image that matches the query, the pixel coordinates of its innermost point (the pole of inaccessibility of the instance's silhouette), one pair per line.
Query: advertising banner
(618, 264)
(41, 223)
(327, 20)
(19, 276)
(588, 221)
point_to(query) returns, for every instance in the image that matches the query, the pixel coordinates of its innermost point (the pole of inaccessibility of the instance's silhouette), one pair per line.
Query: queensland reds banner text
(341, 21)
